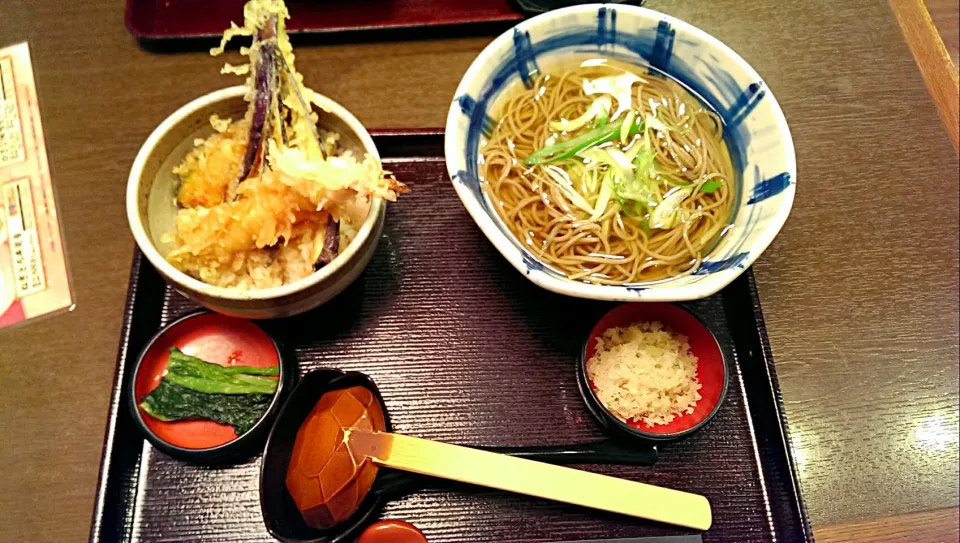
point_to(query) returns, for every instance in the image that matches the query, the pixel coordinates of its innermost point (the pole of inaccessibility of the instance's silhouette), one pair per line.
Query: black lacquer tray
(465, 350)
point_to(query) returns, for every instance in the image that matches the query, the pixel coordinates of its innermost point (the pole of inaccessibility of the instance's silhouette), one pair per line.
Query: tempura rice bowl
(151, 211)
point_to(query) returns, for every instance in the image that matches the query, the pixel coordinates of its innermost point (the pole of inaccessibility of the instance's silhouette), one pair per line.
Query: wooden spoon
(529, 477)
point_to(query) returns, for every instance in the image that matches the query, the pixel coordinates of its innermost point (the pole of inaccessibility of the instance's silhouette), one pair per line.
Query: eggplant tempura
(268, 199)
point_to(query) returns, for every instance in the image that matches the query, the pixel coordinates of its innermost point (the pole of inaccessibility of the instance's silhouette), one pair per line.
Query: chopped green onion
(625, 127)
(655, 123)
(674, 182)
(644, 162)
(665, 213)
(645, 227)
(606, 191)
(573, 146)
(566, 187)
(631, 187)
(711, 186)
(602, 119)
(618, 86)
(614, 158)
(629, 208)
(590, 181)
(599, 108)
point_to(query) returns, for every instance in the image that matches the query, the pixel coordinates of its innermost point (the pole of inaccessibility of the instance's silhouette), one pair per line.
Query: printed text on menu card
(34, 280)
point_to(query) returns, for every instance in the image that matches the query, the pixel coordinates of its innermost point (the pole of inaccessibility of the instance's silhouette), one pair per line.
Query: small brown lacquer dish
(326, 481)
(298, 496)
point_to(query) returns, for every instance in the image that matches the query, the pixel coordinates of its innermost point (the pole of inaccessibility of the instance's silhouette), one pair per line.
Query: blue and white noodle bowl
(755, 132)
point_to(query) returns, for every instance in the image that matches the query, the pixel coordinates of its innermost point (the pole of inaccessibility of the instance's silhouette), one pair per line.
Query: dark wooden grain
(860, 290)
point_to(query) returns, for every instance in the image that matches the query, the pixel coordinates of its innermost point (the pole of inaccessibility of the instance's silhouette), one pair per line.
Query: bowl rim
(516, 254)
(606, 418)
(229, 448)
(147, 247)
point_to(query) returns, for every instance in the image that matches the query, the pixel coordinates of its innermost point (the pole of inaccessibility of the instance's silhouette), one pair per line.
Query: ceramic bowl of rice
(262, 200)
(262, 282)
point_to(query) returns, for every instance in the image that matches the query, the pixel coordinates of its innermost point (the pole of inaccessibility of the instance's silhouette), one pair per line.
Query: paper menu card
(34, 280)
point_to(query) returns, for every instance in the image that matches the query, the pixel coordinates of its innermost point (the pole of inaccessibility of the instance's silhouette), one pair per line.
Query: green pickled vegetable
(179, 356)
(195, 374)
(173, 402)
(207, 386)
(194, 389)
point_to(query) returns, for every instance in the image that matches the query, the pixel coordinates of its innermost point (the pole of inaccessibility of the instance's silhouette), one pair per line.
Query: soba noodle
(547, 206)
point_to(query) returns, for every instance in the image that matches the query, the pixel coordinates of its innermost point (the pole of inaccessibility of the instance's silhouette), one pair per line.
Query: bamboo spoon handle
(532, 478)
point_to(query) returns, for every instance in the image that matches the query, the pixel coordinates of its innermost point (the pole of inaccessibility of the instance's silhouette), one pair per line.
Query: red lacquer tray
(464, 349)
(171, 19)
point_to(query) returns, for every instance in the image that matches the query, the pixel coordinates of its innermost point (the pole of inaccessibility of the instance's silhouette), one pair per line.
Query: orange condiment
(325, 480)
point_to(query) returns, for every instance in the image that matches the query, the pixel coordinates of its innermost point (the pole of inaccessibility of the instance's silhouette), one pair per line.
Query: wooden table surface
(859, 291)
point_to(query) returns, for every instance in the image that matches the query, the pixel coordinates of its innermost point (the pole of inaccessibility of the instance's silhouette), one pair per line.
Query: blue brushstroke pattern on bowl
(755, 131)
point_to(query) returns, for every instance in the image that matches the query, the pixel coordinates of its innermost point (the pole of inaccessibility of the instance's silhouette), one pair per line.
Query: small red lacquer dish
(392, 531)
(215, 338)
(711, 370)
